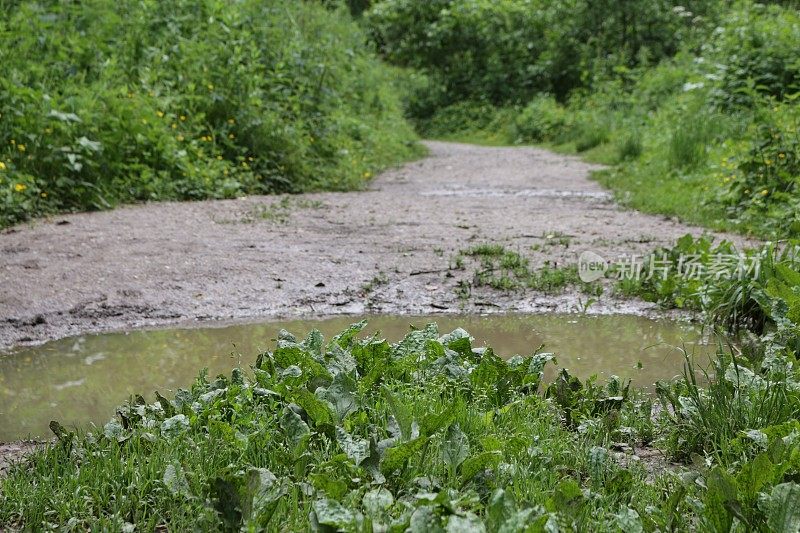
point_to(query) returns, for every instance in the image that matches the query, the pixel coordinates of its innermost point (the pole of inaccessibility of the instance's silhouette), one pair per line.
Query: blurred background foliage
(104, 101)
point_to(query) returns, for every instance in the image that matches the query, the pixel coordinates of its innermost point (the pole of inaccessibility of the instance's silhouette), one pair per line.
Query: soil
(386, 249)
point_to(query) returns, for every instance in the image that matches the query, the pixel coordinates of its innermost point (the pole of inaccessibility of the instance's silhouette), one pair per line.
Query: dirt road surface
(383, 250)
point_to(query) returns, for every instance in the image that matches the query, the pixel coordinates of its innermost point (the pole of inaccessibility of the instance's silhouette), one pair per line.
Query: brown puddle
(82, 379)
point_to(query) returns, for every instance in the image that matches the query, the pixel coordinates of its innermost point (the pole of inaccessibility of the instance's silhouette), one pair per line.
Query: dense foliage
(103, 102)
(428, 434)
(695, 103)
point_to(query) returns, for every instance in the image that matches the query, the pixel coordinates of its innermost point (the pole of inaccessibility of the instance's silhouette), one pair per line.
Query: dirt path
(386, 249)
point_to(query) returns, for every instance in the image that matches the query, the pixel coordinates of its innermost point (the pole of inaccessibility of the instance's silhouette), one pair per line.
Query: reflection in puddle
(82, 380)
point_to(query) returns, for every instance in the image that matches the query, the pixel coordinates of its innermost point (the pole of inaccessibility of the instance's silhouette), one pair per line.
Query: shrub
(105, 102)
(543, 119)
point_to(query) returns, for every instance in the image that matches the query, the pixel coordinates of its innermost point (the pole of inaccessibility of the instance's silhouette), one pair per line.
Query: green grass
(497, 267)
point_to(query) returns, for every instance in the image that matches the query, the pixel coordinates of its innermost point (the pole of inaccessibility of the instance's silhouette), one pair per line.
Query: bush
(105, 102)
(543, 119)
(761, 175)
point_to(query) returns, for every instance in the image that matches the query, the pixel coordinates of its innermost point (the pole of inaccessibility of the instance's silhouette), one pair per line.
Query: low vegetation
(497, 267)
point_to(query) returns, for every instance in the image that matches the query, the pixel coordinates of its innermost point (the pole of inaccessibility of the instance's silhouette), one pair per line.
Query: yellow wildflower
(21, 147)
(44, 195)
(183, 117)
(782, 156)
(231, 136)
(219, 157)
(764, 192)
(231, 121)
(2, 166)
(768, 162)
(179, 137)
(250, 159)
(160, 114)
(174, 126)
(13, 141)
(210, 86)
(20, 187)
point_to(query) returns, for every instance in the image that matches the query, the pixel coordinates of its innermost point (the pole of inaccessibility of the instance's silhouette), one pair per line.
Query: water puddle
(82, 379)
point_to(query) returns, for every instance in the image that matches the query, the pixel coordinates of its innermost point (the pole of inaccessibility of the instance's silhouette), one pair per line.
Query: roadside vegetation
(695, 106)
(694, 103)
(106, 102)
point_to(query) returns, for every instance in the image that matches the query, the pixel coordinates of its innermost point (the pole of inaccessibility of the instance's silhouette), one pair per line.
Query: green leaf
(294, 426)
(175, 479)
(472, 466)
(318, 410)
(455, 448)
(397, 456)
(345, 338)
(755, 475)
(432, 423)
(227, 502)
(331, 513)
(400, 412)
(464, 524)
(783, 508)
(356, 449)
(264, 491)
(719, 500)
(628, 520)
(341, 394)
(566, 498)
(520, 520)
(174, 426)
(376, 501)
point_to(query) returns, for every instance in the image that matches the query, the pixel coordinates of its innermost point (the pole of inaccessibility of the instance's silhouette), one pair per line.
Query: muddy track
(383, 250)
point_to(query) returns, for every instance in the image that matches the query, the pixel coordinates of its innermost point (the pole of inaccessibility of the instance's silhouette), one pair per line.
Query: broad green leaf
(294, 426)
(396, 457)
(377, 501)
(342, 395)
(175, 479)
(628, 520)
(356, 448)
(318, 410)
(566, 497)
(432, 423)
(464, 524)
(783, 508)
(345, 338)
(455, 448)
(264, 491)
(478, 463)
(501, 507)
(329, 512)
(174, 426)
(720, 497)
(520, 520)
(424, 519)
(401, 413)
